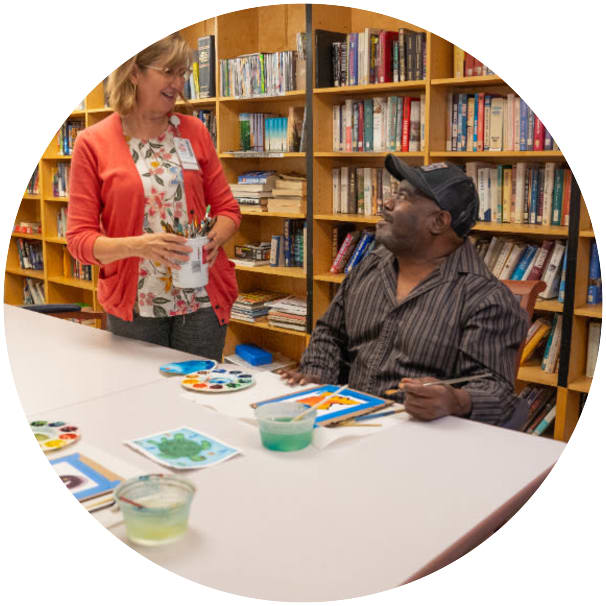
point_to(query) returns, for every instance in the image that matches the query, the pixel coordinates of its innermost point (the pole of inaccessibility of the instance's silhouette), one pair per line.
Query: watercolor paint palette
(53, 435)
(188, 367)
(219, 380)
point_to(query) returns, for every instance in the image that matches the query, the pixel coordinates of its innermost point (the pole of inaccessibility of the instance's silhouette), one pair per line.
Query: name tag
(186, 154)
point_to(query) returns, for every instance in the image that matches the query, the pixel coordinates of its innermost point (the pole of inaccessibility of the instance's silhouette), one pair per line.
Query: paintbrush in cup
(318, 404)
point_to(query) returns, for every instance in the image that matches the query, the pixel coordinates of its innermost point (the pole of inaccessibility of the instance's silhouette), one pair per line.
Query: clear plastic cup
(279, 432)
(194, 272)
(155, 508)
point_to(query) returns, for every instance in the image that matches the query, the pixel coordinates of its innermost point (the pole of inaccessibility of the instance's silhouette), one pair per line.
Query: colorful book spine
(594, 288)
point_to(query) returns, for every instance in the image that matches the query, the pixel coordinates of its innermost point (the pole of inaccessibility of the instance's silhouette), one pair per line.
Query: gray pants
(198, 333)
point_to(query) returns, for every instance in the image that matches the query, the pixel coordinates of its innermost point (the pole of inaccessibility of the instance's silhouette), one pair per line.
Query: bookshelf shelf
(264, 325)
(536, 155)
(387, 87)
(549, 305)
(205, 101)
(240, 155)
(380, 155)
(286, 272)
(56, 240)
(330, 277)
(349, 218)
(294, 95)
(284, 215)
(532, 373)
(582, 384)
(100, 110)
(587, 233)
(469, 81)
(35, 197)
(55, 156)
(551, 231)
(56, 199)
(28, 273)
(589, 311)
(73, 282)
(17, 234)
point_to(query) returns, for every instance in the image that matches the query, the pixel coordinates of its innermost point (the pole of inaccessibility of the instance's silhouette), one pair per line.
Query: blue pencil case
(253, 355)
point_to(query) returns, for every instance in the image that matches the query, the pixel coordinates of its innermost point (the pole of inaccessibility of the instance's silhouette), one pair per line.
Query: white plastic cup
(194, 272)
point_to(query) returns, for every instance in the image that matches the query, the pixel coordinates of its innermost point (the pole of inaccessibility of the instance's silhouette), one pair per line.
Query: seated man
(423, 306)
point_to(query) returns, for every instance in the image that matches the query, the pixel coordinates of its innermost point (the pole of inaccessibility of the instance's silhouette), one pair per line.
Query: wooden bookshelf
(274, 28)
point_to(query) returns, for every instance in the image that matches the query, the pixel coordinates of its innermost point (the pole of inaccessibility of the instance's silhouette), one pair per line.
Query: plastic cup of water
(155, 508)
(279, 431)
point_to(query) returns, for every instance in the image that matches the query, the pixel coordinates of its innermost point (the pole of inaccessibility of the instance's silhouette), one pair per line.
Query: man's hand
(294, 376)
(433, 401)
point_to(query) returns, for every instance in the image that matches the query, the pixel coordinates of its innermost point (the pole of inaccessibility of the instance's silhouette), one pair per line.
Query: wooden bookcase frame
(271, 29)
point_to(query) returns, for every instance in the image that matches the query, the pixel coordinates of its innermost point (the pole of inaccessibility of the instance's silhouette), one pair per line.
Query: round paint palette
(189, 366)
(218, 380)
(52, 435)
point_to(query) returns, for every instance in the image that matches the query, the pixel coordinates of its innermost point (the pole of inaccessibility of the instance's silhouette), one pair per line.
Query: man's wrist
(462, 406)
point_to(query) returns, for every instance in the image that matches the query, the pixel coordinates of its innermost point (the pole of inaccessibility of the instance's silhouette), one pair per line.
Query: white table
(56, 362)
(357, 517)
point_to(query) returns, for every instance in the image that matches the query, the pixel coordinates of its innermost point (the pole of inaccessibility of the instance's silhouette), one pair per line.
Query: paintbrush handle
(391, 392)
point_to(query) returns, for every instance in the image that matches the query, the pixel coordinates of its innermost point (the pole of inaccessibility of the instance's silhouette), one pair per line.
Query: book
(540, 260)
(551, 354)
(546, 421)
(594, 287)
(594, 330)
(551, 274)
(206, 66)
(360, 250)
(345, 251)
(539, 333)
(325, 66)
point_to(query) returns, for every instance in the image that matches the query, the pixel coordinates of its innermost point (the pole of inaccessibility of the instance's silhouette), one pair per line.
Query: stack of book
(594, 287)
(252, 306)
(375, 124)
(466, 66)
(484, 122)
(261, 132)
(351, 247)
(33, 187)
(541, 408)
(28, 227)
(30, 254)
(254, 254)
(361, 190)
(543, 341)
(201, 83)
(66, 137)
(33, 292)
(60, 179)
(289, 194)
(259, 74)
(289, 249)
(289, 312)
(373, 56)
(209, 119)
(514, 259)
(522, 192)
(253, 189)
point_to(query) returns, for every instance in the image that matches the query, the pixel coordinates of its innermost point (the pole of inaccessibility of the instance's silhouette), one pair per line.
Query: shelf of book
(582, 384)
(589, 311)
(293, 95)
(265, 325)
(510, 155)
(385, 87)
(35, 197)
(587, 233)
(552, 305)
(532, 373)
(55, 240)
(330, 277)
(73, 282)
(55, 156)
(283, 215)
(17, 234)
(349, 218)
(550, 231)
(259, 155)
(28, 273)
(286, 272)
(380, 155)
(469, 81)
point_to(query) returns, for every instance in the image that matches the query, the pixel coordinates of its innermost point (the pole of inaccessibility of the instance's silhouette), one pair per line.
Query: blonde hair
(122, 91)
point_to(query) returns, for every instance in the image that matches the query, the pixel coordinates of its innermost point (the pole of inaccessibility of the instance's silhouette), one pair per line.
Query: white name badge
(186, 154)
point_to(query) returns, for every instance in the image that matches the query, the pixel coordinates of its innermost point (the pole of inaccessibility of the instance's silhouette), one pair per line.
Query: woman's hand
(168, 249)
(222, 231)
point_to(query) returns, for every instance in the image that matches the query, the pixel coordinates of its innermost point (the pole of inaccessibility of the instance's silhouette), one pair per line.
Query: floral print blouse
(158, 164)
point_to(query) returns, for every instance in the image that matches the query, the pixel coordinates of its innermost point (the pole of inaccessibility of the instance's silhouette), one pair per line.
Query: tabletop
(355, 517)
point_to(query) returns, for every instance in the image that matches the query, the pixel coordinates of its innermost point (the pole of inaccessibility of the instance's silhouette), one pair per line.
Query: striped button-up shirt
(458, 321)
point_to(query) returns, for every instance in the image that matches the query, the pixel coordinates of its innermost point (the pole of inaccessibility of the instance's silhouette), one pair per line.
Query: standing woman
(127, 179)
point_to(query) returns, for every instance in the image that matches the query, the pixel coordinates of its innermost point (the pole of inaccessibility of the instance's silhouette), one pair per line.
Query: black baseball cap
(446, 184)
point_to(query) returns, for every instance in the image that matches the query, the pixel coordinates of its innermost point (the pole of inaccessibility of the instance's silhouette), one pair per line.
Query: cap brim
(403, 172)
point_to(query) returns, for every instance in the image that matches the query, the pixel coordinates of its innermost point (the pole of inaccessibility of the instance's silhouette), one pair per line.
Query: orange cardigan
(106, 198)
